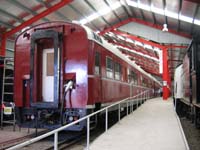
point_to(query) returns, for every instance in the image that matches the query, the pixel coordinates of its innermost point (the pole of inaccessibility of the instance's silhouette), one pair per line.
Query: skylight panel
(99, 13)
(144, 7)
(197, 22)
(185, 18)
(161, 11)
(171, 14)
(132, 3)
(157, 10)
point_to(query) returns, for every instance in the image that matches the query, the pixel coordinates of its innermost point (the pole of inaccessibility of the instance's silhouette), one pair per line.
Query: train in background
(52, 56)
(187, 84)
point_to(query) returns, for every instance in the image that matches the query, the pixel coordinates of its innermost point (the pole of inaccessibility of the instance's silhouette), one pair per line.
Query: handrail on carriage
(129, 102)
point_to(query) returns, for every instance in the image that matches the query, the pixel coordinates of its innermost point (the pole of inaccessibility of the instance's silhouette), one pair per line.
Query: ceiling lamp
(165, 29)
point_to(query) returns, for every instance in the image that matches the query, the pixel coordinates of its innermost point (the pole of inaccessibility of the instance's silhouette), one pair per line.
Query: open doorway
(44, 64)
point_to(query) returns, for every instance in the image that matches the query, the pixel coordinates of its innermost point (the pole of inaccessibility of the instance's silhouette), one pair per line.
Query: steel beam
(113, 11)
(32, 20)
(38, 17)
(134, 50)
(11, 16)
(18, 4)
(177, 46)
(175, 60)
(129, 11)
(152, 72)
(35, 8)
(179, 12)
(81, 14)
(132, 37)
(156, 26)
(95, 10)
(141, 11)
(138, 58)
(194, 16)
(48, 5)
(164, 7)
(5, 24)
(113, 27)
(153, 14)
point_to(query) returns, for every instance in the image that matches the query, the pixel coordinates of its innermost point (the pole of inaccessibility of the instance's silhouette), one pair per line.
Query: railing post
(106, 119)
(56, 141)
(142, 97)
(127, 107)
(88, 133)
(175, 104)
(119, 117)
(131, 106)
(146, 95)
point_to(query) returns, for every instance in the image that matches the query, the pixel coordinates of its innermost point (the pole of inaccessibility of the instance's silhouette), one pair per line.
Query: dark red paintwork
(78, 65)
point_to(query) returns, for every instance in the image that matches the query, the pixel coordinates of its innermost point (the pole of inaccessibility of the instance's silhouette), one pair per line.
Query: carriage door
(44, 69)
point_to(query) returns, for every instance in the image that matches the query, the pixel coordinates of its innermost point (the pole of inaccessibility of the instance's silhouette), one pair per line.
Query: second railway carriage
(188, 103)
(49, 56)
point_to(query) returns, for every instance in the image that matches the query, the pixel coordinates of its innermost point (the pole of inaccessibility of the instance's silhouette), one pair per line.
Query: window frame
(99, 71)
(117, 70)
(109, 70)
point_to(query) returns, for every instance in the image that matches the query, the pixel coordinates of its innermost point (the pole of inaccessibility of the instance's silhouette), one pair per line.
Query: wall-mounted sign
(164, 83)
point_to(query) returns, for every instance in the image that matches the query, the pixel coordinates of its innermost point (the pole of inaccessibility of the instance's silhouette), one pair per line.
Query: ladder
(7, 104)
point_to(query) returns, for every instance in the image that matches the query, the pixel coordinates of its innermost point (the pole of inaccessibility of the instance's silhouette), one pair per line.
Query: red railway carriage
(50, 56)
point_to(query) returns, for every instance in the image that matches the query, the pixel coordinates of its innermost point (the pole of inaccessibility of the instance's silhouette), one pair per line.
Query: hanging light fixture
(165, 29)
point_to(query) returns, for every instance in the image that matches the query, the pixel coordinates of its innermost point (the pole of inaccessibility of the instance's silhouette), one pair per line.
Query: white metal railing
(130, 102)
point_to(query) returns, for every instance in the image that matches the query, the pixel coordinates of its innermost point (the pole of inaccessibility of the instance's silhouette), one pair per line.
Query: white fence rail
(130, 102)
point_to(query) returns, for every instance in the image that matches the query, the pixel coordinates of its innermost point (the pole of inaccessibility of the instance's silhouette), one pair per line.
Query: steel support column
(169, 82)
(3, 46)
(165, 74)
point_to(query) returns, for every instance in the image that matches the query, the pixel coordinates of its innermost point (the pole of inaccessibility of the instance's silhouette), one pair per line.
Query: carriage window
(117, 71)
(109, 67)
(97, 63)
(144, 82)
(129, 77)
(135, 77)
(141, 80)
(132, 77)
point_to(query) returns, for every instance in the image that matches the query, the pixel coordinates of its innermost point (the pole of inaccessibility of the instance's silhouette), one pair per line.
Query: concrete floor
(153, 126)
